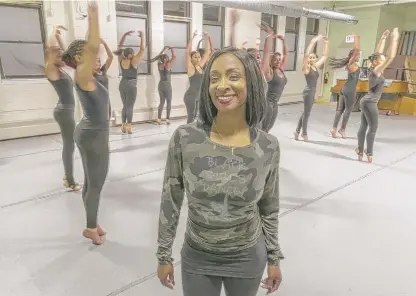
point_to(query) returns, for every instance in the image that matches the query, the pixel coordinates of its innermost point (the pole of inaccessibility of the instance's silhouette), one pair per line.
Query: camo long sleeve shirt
(233, 195)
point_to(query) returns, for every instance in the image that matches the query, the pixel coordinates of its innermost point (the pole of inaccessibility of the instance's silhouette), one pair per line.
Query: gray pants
(128, 93)
(270, 116)
(165, 95)
(66, 121)
(93, 146)
(308, 98)
(346, 102)
(369, 120)
(206, 285)
(191, 104)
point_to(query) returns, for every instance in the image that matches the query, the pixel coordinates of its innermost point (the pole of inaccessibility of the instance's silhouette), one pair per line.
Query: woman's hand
(235, 17)
(395, 34)
(325, 39)
(165, 273)
(385, 34)
(57, 29)
(273, 280)
(141, 34)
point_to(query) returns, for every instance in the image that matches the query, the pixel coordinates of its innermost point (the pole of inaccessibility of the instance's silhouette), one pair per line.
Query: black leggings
(93, 146)
(66, 121)
(165, 94)
(270, 116)
(128, 93)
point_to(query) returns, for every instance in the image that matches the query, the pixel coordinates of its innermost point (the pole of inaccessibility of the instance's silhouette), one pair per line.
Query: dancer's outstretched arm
(392, 50)
(320, 63)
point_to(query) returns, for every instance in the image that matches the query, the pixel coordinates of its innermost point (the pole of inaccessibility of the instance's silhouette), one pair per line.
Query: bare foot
(93, 235)
(296, 135)
(360, 155)
(305, 138)
(342, 133)
(369, 157)
(333, 132)
(100, 231)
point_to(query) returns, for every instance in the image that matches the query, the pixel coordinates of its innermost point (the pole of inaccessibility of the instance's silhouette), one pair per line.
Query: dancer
(100, 72)
(128, 85)
(194, 66)
(368, 104)
(273, 66)
(310, 69)
(92, 132)
(229, 170)
(65, 108)
(165, 86)
(347, 93)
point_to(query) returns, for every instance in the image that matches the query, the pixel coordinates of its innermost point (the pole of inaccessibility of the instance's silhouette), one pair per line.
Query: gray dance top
(233, 197)
(311, 79)
(276, 86)
(102, 78)
(375, 87)
(129, 74)
(165, 75)
(64, 87)
(351, 84)
(95, 105)
(195, 81)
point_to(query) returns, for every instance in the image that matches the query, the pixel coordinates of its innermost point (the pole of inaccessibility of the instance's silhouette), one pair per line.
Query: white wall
(26, 106)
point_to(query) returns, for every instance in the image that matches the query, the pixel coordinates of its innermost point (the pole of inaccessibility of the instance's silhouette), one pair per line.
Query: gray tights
(128, 93)
(165, 94)
(94, 149)
(369, 120)
(66, 121)
(346, 104)
(206, 285)
(308, 98)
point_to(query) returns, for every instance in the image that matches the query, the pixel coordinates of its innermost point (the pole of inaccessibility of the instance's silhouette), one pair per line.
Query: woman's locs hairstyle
(75, 48)
(340, 63)
(160, 56)
(255, 104)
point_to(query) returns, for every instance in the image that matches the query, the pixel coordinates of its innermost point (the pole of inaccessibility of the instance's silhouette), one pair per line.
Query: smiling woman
(229, 170)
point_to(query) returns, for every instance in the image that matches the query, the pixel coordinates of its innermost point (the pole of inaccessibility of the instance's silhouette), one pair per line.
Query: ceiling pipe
(283, 8)
(373, 5)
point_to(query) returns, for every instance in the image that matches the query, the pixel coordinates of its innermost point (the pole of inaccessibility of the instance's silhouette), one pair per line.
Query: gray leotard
(346, 101)
(191, 95)
(102, 78)
(165, 92)
(64, 116)
(64, 87)
(128, 92)
(92, 136)
(369, 113)
(375, 87)
(308, 98)
(275, 89)
(95, 106)
(276, 86)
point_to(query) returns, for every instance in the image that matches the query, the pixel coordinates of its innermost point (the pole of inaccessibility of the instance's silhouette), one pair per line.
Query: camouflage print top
(233, 195)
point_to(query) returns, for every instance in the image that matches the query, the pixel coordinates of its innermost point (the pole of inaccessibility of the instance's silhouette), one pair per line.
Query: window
(214, 19)
(271, 21)
(176, 28)
(291, 37)
(133, 15)
(22, 43)
(312, 29)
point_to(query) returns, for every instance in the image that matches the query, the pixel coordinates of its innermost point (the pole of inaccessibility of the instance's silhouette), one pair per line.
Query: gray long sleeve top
(232, 196)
